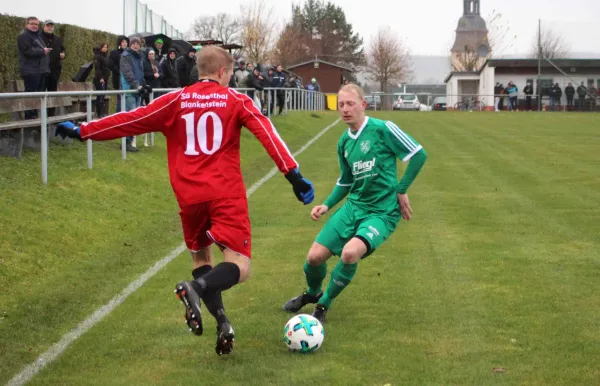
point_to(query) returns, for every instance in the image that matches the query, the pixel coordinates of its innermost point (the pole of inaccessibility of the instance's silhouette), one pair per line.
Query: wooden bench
(22, 133)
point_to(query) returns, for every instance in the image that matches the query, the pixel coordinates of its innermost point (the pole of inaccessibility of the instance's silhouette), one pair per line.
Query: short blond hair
(356, 89)
(211, 58)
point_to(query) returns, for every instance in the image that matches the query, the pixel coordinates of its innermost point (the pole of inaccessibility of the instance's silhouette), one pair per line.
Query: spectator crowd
(132, 65)
(507, 98)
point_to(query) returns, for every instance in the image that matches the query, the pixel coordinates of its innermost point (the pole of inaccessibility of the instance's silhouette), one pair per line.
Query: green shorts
(349, 221)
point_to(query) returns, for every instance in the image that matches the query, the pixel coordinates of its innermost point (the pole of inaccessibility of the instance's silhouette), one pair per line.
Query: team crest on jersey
(365, 146)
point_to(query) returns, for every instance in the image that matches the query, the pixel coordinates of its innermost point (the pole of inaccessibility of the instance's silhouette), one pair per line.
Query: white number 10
(200, 133)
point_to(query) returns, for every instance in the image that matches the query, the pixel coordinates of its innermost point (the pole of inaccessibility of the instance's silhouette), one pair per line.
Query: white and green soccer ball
(303, 334)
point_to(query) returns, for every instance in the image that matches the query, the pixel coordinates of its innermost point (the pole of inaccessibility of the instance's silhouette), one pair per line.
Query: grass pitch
(495, 280)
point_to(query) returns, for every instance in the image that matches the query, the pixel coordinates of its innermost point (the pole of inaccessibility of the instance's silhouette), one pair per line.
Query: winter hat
(134, 40)
(159, 41)
(192, 49)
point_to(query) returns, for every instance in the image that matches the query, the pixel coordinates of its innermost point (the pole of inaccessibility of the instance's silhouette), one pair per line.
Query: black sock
(220, 278)
(214, 304)
(201, 271)
(211, 296)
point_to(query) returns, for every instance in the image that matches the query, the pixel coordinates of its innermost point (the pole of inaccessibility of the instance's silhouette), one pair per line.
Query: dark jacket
(32, 59)
(149, 73)
(168, 69)
(556, 92)
(132, 70)
(252, 81)
(101, 65)
(569, 91)
(232, 81)
(528, 90)
(115, 62)
(54, 42)
(185, 65)
(278, 80)
(582, 92)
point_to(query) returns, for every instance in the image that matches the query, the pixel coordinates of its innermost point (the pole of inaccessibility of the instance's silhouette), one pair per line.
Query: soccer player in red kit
(202, 124)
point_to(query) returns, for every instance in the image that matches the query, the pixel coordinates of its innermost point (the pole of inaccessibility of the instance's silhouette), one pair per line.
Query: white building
(480, 84)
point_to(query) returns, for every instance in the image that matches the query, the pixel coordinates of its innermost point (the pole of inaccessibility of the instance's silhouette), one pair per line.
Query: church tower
(471, 47)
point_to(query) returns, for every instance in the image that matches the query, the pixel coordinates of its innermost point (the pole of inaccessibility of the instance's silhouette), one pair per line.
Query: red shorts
(224, 222)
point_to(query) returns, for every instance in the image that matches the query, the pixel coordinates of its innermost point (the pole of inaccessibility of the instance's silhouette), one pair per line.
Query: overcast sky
(427, 26)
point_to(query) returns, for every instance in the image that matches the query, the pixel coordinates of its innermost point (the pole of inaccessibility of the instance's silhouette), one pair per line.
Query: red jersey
(202, 124)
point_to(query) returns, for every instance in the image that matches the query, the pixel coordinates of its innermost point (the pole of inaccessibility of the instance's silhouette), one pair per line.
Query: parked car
(407, 102)
(439, 104)
(373, 102)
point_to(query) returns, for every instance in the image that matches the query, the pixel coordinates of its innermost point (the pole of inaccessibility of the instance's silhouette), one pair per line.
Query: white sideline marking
(57, 349)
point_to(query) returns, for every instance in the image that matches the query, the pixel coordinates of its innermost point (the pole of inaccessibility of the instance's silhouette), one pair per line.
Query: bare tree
(258, 31)
(468, 60)
(552, 46)
(291, 47)
(222, 26)
(500, 37)
(387, 59)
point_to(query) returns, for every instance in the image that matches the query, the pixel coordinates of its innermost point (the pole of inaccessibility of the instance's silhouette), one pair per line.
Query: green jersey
(368, 166)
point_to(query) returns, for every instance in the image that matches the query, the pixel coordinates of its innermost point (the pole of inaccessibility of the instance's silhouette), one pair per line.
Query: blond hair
(212, 58)
(356, 89)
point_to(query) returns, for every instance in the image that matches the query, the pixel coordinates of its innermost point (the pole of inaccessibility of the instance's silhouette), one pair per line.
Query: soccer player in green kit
(367, 154)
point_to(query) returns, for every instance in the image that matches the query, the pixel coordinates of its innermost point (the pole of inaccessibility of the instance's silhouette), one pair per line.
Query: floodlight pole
(124, 26)
(540, 53)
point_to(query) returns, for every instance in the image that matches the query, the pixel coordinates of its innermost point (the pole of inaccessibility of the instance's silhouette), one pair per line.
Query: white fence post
(89, 141)
(124, 139)
(44, 139)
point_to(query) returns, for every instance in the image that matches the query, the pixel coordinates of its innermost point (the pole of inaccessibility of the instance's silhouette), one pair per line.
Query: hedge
(79, 43)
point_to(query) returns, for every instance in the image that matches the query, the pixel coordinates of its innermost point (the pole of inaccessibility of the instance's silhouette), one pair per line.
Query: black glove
(148, 89)
(303, 188)
(67, 129)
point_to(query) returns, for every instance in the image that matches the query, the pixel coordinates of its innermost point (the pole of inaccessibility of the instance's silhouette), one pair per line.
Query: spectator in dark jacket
(115, 65)
(151, 73)
(278, 81)
(101, 75)
(56, 57)
(528, 91)
(593, 96)
(168, 66)
(497, 90)
(555, 96)
(132, 78)
(185, 65)
(34, 61)
(570, 94)
(255, 82)
(268, 82)
(581, 93)
(158, 50)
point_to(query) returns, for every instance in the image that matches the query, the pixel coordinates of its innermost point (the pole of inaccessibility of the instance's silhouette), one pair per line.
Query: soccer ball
(303, 334)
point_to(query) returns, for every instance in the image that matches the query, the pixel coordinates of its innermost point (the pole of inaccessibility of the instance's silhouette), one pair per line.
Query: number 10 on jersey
(198, 130)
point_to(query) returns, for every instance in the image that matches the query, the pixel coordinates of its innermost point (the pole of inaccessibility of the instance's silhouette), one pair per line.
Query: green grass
(499, 268)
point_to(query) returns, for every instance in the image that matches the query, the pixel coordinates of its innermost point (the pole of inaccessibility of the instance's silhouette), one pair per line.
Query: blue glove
(303, 188)
(67, 129)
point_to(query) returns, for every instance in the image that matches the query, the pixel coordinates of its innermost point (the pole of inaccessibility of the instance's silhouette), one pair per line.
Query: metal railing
(481, 102)
(294, 99)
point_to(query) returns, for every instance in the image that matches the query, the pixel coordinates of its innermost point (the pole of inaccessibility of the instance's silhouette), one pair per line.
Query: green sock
(314, 277)
(341, 276)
